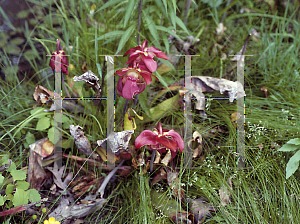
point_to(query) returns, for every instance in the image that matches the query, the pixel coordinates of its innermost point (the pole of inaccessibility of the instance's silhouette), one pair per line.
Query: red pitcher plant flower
(133, 81)
(64, 60)
(145, 54)
(160, 139)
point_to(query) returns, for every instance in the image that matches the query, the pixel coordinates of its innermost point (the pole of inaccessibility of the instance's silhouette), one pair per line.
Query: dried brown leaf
(42, 95)
(225, 193)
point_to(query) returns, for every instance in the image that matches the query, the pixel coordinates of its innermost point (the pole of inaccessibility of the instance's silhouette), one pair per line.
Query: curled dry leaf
(234, 117)
(265, 90)
(171, 208)
(58, 176)
(81, 141)
(92, 81)
(117, 140)
(67, 210)
(167, 158)
(42, 95)
(221, 29)
(196, 144)
(201, 210)
(255, 35)
(36, 173)
(157, 157)
(159, 176)
(188, 45)
(225, 194)
(202, 84)
(174, 183)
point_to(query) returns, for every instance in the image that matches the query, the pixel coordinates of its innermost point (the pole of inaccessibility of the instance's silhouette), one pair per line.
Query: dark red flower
(145, 54)
(64, 60)
(160, 140)
(133, 81)
(130, 84)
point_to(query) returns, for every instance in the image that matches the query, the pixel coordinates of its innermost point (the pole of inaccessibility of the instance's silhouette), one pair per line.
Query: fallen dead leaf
(201, 209)
(225, 193)
(36, 173)
(42, 95)
(174, 183)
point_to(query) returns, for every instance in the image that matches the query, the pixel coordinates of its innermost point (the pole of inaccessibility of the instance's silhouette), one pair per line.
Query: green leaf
(108, 4)
(165, 29)
(166, 42)
(161, 79)
(125, 38)
(6, 19)
(12, 167)
(162, 109)
(17, 41)
(151, 27)
(166, 62)
(51, 135)
(162, 7)
(293, 164)
(18, 175)
(33, 195)
(9, 189)
(2, 200)
(129, 9)
(110, 35)
(172, 15)
(20, 197)
(288, 148)
(43, 124)
(295, 141)
(22, 14)
(1, 179)
(22, 184)
(181, 24)
(30, 138)
(65, 119)
(166, 5)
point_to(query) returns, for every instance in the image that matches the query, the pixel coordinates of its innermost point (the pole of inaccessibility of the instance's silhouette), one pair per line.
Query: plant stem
(64, 86)
(138, 42)
(125, 107)
(139, 22)
(152, 160)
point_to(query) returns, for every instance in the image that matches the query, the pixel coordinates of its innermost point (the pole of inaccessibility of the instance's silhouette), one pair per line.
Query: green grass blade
(125, 38)
(130, 6)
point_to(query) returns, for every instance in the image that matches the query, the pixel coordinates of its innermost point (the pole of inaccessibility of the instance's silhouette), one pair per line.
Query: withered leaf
(225, 194)
(42, 95)
(201, 209)
(81, 141)
(202, 84)
(36, 173)
(117, 140)
(92, 81)
(65, 210)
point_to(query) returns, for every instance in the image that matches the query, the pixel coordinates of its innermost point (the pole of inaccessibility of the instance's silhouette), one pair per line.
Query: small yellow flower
(51, 221)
